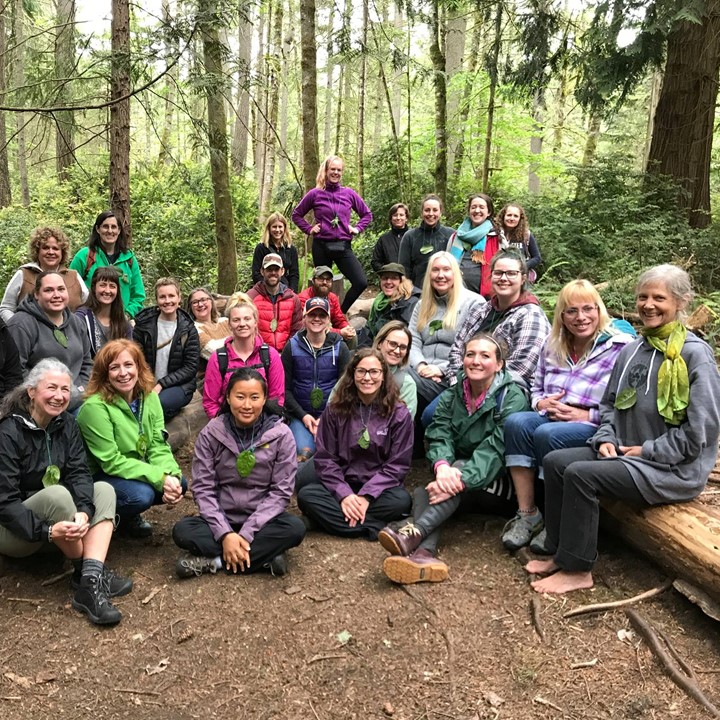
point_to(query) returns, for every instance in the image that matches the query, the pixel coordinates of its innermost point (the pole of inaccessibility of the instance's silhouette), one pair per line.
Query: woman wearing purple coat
(353, 486)
(243, 475)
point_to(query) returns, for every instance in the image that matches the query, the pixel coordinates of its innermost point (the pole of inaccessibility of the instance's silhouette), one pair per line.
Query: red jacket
(337, 319)
(286, 311)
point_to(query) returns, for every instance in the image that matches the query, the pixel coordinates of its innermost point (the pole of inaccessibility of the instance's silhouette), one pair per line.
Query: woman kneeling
(47, 494)
(243, 476)
(466, 451)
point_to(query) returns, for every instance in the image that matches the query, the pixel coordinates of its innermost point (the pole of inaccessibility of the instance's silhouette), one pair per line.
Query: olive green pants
(55, 504)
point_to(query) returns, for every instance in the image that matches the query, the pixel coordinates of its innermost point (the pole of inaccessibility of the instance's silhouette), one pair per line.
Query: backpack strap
(265, 358)
(223, 360)
(499, 398)
(222, 357)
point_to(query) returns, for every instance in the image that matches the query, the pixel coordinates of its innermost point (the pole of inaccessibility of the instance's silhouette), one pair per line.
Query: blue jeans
(133, 496)
(304, 439)
(427, 414)
(173, 400)
(529, 437)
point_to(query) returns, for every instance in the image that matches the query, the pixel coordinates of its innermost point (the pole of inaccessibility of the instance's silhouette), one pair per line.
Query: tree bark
(171, 49)
(5, 188)
(454, 56)
(683, 127)
(437, 55)
(215, 88)
(308, 68)
(19, 80)
(361, 103)
(493, 71)
(242, 113)
(260, 105)
(64, 71)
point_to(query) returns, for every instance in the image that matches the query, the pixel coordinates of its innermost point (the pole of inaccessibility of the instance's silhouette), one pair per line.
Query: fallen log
(683, 539)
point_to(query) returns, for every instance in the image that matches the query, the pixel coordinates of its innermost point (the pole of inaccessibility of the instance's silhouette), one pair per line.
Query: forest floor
(334, 639)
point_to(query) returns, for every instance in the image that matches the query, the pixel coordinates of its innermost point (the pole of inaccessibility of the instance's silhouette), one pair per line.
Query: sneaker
(194, 566)
(115, 585)
(278, 565)
(421, 566)
(400, 542)
(136, 527)
(519, 531)
(91, 598)
(541, 545)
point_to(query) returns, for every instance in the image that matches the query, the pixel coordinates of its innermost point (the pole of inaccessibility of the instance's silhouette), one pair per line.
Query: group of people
(457, 362)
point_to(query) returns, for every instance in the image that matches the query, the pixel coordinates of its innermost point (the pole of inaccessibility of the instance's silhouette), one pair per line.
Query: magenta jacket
(227, 500)
(215, 386)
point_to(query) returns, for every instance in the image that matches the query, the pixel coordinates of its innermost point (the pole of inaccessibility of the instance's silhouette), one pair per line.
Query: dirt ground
(334, 639)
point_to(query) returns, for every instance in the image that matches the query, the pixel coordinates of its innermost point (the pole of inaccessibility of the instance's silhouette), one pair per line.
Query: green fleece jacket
(111, 432)
(478, 439)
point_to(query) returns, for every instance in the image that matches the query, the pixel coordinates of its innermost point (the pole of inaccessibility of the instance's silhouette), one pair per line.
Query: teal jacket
(478, 439)
(111, 432)
(131, 284)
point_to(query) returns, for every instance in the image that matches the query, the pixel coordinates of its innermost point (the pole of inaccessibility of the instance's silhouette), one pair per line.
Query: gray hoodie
(676, 460)
(35, 339)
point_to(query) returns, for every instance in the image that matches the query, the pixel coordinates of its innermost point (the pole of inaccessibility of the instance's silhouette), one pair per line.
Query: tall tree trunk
(683, 127)
(437, 55)
(215, 88)
(361, 103)
(260, 105)
(329, 72)
(170, 87)
(655, 85)
(536, 141)
(454, 54)
(288, 41)
(593, 133)
(493, 71)
(19, 80)
(64, 71)
(308, 67)
(5, 188)
(120, 115)
(242, 113)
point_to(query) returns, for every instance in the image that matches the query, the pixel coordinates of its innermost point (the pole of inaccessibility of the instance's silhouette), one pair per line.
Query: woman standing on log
(332, 232)
(657, 441)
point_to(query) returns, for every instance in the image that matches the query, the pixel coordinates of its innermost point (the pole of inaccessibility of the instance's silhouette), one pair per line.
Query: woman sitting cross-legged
(658, 435)
(243, 475)
(571, 376)
(47, 494)
(121, 422)
(354, 484)
(466, 451)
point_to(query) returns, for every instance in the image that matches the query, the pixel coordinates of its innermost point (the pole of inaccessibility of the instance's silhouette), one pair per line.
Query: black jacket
(387, 248)
(10, 372)
(289, 257)
(23, 461)
(401, 310)
(184, 351)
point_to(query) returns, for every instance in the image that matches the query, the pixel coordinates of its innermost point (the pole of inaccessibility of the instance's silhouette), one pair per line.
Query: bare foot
(563, 582)
(541, 567)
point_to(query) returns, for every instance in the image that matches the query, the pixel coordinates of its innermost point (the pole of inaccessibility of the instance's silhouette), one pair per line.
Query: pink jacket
(215, 385)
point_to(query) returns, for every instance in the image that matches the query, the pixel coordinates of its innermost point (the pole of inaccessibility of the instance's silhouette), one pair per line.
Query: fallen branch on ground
(57, 578)
(600, 607)
(535, 615)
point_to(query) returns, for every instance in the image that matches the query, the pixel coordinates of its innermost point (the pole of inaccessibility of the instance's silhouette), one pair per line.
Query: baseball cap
(396, 268)
(322, 270)
(317, 303)
(272, 259)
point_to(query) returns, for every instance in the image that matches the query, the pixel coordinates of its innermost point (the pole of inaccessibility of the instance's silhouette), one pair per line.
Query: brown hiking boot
(400, 542)
(421, 566)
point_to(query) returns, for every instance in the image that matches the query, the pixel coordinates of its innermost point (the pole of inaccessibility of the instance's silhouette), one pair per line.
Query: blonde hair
(238, 298)
(321, 179)
(403, 291)
(428, 302)
(559, 341)
(274, 218)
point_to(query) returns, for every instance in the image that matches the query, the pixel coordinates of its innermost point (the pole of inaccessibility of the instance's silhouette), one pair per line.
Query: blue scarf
(469, 238)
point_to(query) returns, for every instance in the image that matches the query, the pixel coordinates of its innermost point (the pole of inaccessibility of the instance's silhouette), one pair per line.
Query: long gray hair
(18, 399)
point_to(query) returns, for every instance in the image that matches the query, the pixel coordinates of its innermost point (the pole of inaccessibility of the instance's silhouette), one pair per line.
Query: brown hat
(272, 259)
(395, 268)
(322, 270)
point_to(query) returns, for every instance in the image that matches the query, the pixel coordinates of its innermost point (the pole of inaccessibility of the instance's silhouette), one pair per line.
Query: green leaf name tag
(364, 439)
(142, 446)
(51, 476)
(626, 399)
(335, 221)
(60, 337)
(316, 398)
(273, 325)
(434, 326)
(245, 462)
(426, 249)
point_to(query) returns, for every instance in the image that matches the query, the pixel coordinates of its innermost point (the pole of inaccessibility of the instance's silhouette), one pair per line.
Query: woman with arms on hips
(658, 435)
(122, 424)
(354, 485)
(570, 380)
(243, 474)
(466, 453)
(332, 232)
(47, 494)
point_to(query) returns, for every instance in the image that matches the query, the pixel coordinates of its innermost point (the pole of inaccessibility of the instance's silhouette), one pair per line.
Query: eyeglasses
(324, 280)
(374, 373)
(200, 301)
(509, 274)
(572, 312)
(392, 345)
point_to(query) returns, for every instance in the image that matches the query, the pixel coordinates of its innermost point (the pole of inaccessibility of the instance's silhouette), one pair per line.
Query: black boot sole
(95, 619)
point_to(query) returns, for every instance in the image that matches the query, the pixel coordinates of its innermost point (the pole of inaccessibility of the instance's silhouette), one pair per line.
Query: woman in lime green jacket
(121, 422)
(107, 247)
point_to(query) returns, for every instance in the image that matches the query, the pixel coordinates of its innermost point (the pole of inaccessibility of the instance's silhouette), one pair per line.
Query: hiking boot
(421, 566)
(541, 545)
(519, 531)
(278, 565)
(194, 566)
(400, 542)
(91, 598)
(135, 527)
(115, 585)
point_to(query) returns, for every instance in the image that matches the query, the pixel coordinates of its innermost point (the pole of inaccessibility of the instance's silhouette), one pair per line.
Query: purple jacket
(226, 500)
(325, 204)
(345, 468)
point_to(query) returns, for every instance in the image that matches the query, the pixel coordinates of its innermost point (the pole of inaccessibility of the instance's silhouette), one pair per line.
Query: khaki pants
(55, 504)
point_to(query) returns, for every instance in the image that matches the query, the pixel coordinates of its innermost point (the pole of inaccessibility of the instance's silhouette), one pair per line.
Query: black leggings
(340, 253)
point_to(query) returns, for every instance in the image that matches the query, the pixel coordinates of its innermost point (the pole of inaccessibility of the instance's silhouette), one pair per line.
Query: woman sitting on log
(658, 435)
(354, 485)
(466, 452)
(47, 495)
(212, 329)
(243, 475)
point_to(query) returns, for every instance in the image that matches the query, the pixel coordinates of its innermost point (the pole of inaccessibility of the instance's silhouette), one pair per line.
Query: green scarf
(673, 393)
(378, 308)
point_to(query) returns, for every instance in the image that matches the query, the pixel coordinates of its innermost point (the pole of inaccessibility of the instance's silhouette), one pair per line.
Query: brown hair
(392, 326)
(346, 397)
(118, 321)
(99, 383)
(213, 306)
(163, 281)
(40, 235)
(519, 234)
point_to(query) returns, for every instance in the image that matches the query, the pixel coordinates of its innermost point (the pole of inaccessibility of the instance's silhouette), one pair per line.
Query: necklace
(336, 218)
(52, 474)
(364, 440)
(246, 458)
(142, 442)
